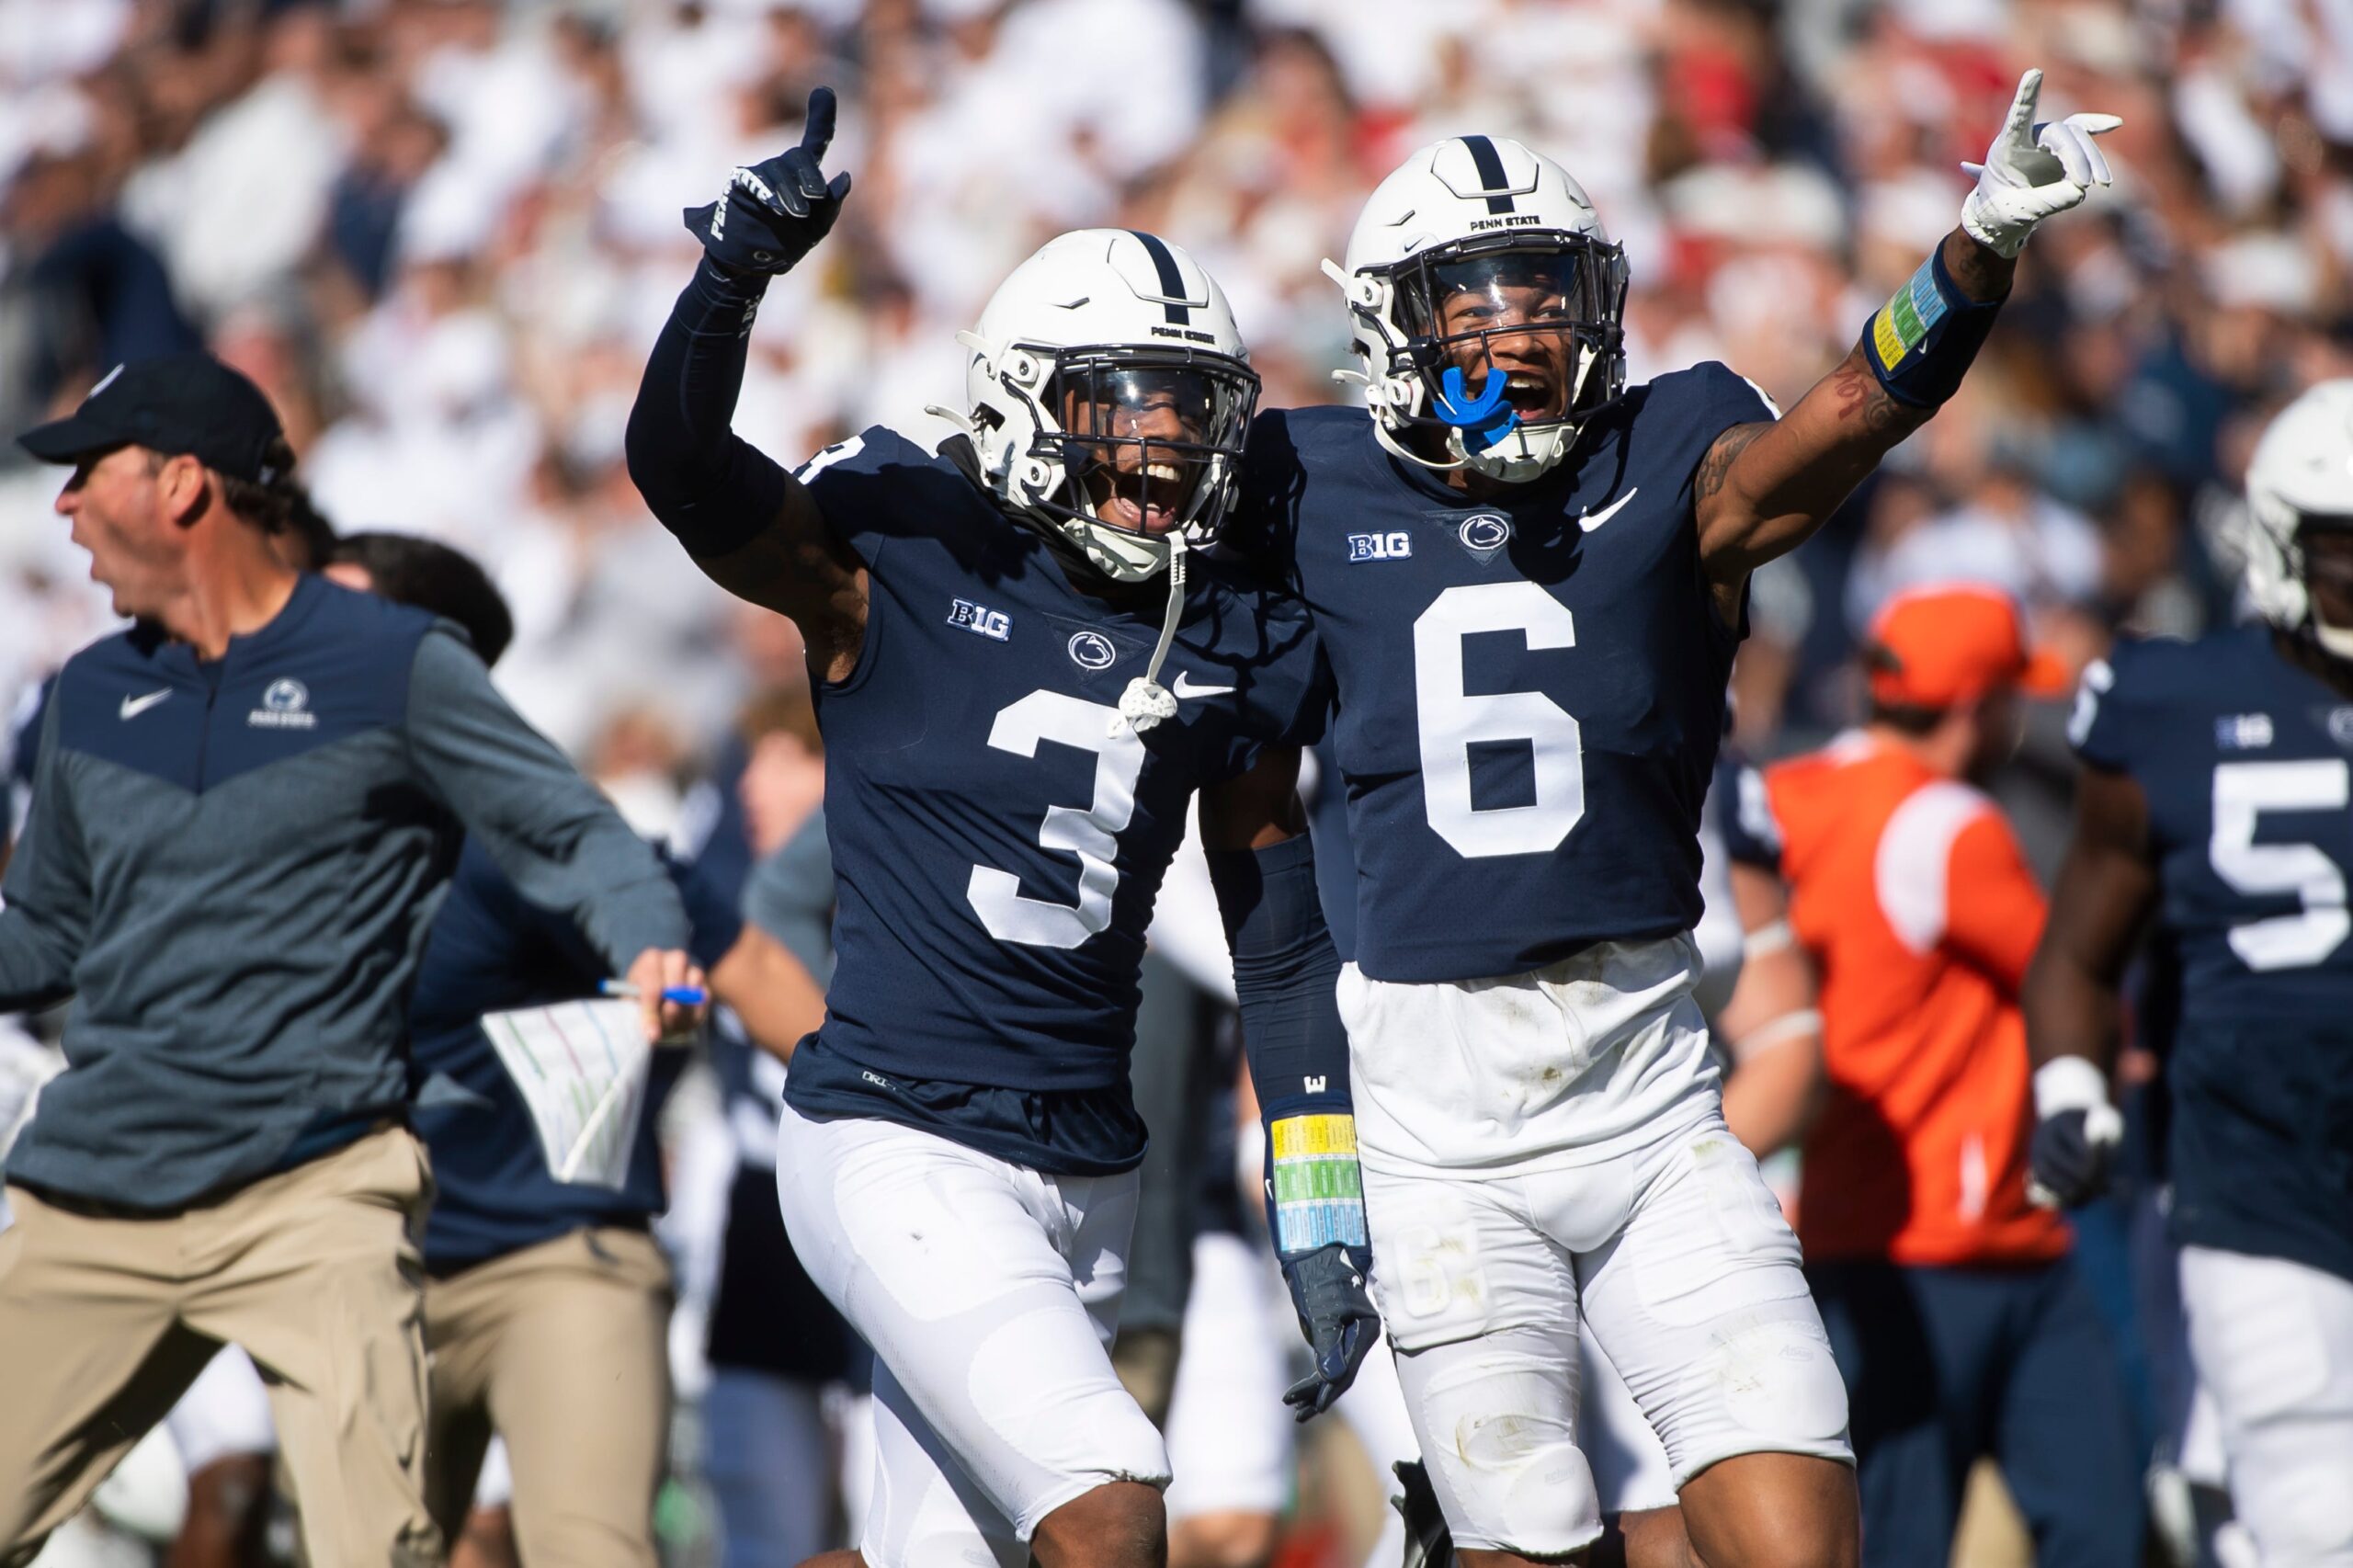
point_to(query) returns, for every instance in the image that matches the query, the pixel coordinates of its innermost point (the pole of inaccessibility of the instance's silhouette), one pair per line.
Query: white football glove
(2032, 171)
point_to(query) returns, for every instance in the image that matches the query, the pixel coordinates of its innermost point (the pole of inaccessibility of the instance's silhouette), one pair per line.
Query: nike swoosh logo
(134, 706)
(1592, 521)
(1183, 688)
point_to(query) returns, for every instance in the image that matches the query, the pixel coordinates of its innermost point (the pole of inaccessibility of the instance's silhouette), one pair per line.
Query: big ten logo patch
(994, 624)
(1380, 547)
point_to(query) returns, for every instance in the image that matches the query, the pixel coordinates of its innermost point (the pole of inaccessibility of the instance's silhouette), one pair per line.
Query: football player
(2213, 802)
(1024, 671)
(1529, 581)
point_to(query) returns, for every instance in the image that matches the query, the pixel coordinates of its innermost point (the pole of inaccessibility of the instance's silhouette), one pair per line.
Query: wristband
(1318, 1194)
(2069, 1083)
(1773, 936)
(1797, 1024)
(1923, 340)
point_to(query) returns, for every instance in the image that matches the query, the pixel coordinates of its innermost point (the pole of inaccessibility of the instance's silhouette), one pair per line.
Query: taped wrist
(1923, 339)
(1797, 1024)
(1315, 1190)
(2069, 1083)
(715, 491)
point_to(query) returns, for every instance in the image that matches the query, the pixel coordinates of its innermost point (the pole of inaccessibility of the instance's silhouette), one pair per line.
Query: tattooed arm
(1763, 489)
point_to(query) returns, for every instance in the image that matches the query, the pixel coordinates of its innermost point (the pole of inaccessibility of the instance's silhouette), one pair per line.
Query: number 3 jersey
(2247, 763)
(1531, 691)
(997, 843)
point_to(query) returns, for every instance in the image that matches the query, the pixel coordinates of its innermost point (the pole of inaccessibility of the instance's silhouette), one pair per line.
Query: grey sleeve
(790, 895)
(46, 921)
(559, 841)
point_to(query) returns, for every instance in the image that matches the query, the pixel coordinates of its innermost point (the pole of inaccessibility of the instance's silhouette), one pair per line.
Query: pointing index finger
(818, 129)
(2020, 123)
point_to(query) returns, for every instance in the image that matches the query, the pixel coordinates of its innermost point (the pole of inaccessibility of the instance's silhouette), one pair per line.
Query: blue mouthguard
(1483, 420)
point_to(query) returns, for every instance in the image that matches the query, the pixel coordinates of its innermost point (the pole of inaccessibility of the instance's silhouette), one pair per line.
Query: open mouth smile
(1147, 500)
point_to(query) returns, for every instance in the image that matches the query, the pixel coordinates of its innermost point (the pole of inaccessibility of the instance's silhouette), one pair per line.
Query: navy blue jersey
(1530, 691)
(996, 846)
(491, 951)
(2246, 762)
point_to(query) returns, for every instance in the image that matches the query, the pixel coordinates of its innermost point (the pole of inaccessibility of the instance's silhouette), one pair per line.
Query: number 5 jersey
(2243, 759)
(997, 838)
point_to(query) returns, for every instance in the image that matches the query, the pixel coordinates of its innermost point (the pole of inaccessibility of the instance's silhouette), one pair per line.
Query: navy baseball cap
(179, 402)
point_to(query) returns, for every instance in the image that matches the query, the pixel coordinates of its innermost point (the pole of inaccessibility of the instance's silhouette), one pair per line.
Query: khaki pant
(564, 1349)
(105, 1321)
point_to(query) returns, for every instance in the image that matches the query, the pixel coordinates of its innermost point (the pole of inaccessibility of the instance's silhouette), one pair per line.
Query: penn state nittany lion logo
(1483, 533)
(1092, 651)
(285, 705)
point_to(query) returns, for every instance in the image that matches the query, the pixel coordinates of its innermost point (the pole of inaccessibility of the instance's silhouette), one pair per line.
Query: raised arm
(1254, 833)
(1762, 489)
(749, 525)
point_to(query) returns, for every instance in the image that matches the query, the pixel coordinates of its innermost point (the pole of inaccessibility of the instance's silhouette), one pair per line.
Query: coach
(245, 809)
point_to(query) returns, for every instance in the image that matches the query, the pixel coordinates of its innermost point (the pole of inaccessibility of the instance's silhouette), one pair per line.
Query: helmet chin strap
(1146, 702)
(1125, 557)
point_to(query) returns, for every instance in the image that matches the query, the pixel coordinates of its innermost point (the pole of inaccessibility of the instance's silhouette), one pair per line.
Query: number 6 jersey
(2242, 758)
(997, 844)
(1531, 689)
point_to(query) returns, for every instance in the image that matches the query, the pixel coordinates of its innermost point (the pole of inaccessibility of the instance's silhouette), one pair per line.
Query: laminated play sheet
(581, 1069)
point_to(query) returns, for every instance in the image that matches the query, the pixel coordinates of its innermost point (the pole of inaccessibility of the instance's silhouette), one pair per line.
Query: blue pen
(683, 995)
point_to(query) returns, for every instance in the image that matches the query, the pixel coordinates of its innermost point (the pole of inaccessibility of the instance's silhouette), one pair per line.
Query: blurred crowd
(442, 233)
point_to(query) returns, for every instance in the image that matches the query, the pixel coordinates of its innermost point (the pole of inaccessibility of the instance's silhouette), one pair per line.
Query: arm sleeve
(708, 485)
(560, 842)
(790, 896)
(1994, 907)
(45, 920)
(1286, 975)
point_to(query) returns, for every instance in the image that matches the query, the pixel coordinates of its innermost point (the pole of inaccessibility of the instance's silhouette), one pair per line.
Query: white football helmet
(1126, 335)
(2300, 477)
(1471, 229)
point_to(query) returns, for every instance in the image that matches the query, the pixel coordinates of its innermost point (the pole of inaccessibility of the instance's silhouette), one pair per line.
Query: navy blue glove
(775, 211)
(2075, 1133)
(2069, 1156)
(1336, 1314)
